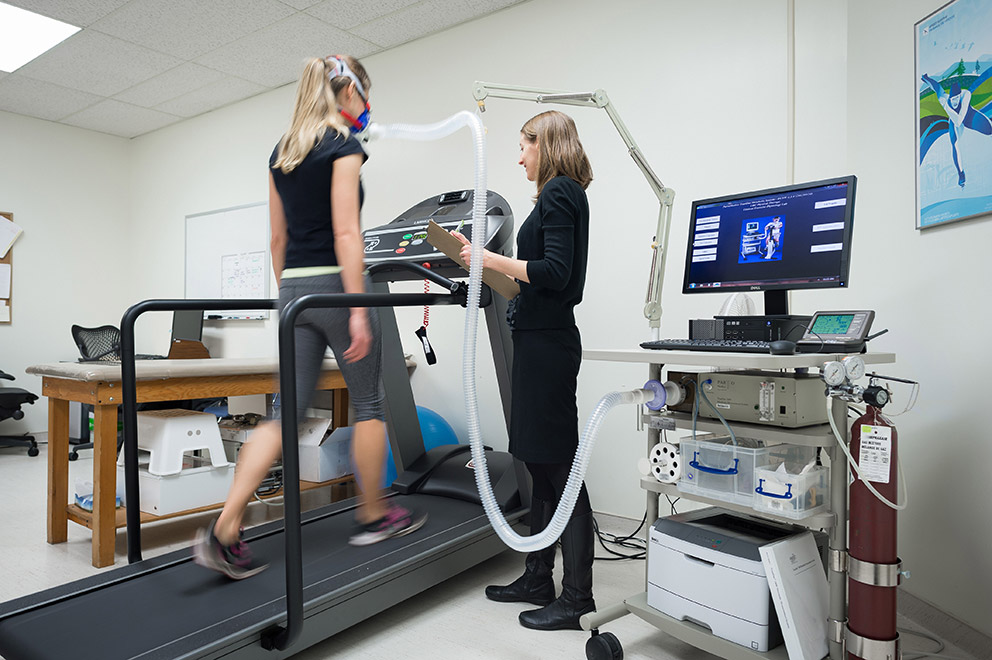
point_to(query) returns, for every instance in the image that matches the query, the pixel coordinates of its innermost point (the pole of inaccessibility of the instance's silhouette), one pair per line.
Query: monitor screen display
(794, 237)
(187, 324)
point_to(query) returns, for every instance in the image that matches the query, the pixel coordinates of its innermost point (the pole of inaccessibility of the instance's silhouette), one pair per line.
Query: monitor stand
(187, 349)
(777, 302)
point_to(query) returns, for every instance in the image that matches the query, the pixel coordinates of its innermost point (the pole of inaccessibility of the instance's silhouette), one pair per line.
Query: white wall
(68, 189)
(928, 288)
(702, 86)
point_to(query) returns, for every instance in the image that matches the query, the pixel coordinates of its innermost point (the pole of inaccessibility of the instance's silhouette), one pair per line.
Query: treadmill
(316, 584)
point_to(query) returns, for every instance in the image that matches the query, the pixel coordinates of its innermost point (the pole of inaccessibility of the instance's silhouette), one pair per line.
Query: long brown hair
(559, 149)
(316, 109)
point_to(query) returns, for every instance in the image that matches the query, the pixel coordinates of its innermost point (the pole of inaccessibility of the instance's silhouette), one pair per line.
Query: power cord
(672, 503)
(630, 541)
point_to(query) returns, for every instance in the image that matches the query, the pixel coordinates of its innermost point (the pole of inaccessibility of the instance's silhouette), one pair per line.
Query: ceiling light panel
(25, 35)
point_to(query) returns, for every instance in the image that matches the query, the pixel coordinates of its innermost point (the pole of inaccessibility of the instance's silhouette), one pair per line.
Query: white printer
(704, 567)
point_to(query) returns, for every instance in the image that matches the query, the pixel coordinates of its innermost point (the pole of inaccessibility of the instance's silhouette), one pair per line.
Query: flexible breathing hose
(857, 469)
(562, 514)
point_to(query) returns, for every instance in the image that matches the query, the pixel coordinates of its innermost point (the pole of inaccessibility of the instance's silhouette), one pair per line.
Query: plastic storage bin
(789, 484)
(717, 469)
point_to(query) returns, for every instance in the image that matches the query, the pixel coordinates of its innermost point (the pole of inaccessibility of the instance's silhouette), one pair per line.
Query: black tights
(549, 484)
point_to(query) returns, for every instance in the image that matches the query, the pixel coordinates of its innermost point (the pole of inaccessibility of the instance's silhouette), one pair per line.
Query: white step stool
(168, 434)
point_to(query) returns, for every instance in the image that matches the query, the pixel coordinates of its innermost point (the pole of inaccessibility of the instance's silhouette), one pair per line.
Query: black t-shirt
(306, 200)
(554, 241)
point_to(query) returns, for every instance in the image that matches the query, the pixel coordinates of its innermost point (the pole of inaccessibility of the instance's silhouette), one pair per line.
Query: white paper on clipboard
(4, 280)
(9, 232)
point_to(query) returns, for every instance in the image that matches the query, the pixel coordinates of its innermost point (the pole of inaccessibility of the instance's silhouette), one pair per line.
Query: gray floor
(452, 620)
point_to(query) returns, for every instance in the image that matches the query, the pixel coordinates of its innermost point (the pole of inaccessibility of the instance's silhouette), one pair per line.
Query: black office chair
(11, 400)
(102, 344)
(97, 344)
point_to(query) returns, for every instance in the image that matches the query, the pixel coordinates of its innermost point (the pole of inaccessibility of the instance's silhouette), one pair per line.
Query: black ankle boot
(577, 550)
(535, 586)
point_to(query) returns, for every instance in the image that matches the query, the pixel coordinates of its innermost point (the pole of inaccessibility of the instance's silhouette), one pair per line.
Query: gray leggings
(318, 328)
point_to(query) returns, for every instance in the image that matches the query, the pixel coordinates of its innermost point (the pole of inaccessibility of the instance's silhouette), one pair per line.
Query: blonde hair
(316, 109)
(559, 149)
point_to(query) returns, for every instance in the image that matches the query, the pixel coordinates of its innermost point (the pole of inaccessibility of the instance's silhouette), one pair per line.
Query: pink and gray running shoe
(397, 522)
(235, 561)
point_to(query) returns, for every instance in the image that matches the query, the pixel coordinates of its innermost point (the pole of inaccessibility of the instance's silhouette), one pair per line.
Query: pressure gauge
(876, 396)
(833, 373)
(855, 366)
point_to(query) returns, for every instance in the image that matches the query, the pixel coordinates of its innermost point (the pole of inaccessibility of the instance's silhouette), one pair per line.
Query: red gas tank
(872, 527)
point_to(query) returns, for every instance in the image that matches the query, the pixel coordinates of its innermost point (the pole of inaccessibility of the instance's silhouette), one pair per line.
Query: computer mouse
(782, 347)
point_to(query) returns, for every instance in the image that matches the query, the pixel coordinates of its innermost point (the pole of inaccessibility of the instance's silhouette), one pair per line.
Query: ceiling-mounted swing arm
(665, 195)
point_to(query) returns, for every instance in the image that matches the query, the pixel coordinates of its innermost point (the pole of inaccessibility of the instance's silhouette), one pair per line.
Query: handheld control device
(837, 332)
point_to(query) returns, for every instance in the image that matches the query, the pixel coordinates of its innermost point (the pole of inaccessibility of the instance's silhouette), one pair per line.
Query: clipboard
(452, 247)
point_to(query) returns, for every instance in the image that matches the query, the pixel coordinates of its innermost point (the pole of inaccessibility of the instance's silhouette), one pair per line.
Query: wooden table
(99, 384)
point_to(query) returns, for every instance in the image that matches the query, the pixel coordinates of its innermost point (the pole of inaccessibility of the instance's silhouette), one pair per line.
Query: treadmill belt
(172, 611)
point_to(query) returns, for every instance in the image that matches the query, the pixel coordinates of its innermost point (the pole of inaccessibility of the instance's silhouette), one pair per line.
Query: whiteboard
(227, 256)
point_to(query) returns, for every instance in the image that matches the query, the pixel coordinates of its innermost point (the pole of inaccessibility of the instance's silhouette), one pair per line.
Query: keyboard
(711, 345)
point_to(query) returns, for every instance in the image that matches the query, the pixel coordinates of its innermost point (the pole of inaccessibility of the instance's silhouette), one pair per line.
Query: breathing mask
(339, 67)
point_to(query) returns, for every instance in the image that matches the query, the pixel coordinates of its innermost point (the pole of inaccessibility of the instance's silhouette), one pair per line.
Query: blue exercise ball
(436, 431)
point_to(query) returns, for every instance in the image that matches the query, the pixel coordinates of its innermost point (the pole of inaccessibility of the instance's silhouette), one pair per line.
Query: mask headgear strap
(339, 67)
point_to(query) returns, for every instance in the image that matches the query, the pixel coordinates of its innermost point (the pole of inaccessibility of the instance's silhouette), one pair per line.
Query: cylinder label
(876, 453)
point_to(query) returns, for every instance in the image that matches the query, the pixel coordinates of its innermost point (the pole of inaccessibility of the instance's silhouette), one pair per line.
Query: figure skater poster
(954, 96)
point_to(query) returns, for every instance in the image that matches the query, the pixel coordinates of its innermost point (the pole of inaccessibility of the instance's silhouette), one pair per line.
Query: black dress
(547, 349)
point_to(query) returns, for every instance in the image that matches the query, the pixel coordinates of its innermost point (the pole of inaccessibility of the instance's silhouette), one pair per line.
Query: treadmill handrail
(426, 273)
(283, 638)
(129, 394)
(277, 638)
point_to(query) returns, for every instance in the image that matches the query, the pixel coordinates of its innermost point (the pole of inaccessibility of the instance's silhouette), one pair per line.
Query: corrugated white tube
(479, 232)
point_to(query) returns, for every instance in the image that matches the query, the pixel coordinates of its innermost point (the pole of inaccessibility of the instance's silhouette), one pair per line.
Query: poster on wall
(954, 99)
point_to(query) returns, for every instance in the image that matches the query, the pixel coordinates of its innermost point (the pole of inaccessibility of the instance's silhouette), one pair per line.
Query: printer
(704, 567)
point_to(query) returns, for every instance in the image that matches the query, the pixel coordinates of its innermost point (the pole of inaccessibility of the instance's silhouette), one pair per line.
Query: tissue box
(791, 495)
(324, 456)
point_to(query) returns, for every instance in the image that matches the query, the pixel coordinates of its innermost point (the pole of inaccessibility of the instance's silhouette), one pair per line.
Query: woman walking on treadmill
(552, 247)
(315, 195)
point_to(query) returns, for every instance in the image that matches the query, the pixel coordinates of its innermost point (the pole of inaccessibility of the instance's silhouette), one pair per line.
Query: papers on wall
(799, 592)
(243, 275)
(8, 234)
(4, 312)
(4, 280)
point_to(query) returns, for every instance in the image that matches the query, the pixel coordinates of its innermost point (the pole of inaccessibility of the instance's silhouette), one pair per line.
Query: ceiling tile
(482, 7)
(121, 119)
(298, 37)
(211, 97)
(183, 79)
(94, 62)
(415, 21)
(303, 4)
(75, 12)
(36, 98)
(346, 14)
(190, 28)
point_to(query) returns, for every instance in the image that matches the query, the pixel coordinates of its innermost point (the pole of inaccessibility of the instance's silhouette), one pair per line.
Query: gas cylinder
(872, 528)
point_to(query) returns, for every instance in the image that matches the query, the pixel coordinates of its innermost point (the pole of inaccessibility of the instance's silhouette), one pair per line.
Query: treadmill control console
(405, 238)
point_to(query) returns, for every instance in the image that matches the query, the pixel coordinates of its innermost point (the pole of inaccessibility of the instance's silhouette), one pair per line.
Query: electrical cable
(921, 654)
(672, 503)
(630, 541)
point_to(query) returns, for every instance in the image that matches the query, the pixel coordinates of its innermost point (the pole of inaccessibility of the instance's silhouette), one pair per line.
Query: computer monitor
(187, 324)
(793, 237)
